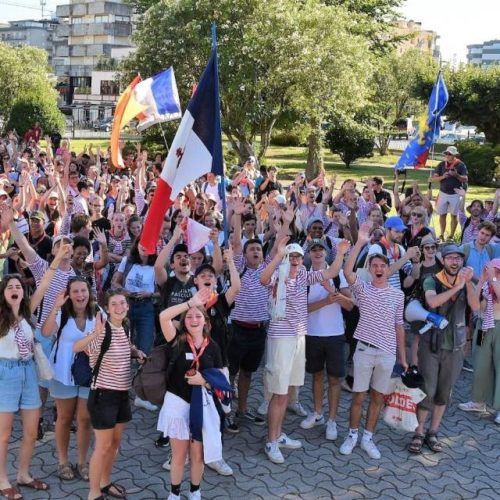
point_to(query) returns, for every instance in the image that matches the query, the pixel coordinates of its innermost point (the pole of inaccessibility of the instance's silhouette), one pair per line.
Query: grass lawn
(292, 160)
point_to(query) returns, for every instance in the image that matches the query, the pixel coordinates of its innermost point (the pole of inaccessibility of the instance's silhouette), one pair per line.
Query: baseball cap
(37, 214)
(54, 195)
(449, 249)
(205, 267)
(316, 242)
(396, 223)
(280, 200)
(3, 193)
(452, 150)
(294, 248)
(57, 239)
(312, 220)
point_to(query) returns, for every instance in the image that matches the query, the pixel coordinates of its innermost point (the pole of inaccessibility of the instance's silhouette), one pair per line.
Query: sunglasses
(429, 247)
(416, 214)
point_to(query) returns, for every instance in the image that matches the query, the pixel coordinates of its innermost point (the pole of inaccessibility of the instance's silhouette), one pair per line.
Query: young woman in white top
(18, 376)
(77, 308)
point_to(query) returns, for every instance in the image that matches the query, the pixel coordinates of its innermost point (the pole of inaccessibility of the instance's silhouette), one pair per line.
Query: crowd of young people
(316, 276)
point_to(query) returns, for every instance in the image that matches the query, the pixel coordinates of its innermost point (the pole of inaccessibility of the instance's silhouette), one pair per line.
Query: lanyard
(197, 355)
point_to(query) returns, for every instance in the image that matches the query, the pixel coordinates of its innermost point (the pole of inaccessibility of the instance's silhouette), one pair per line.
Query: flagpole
(218, 138)
(436, 105)
(163, 135)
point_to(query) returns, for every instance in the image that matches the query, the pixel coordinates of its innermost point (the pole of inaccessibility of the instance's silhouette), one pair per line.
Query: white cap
(452, 150)
(280, 199)
(294, 248)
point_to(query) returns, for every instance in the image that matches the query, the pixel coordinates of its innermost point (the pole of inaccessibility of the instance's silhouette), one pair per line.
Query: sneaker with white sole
(291, 444)
(141, 403)
(298, 409)
(273, 452)
(497, 418)
(173, 497)
(263, 407)
(312, 420)
(167, 465)
(467, 366)
(194, 495)
(221, 467)
(231, 425)
(251, 417)
(472, 406)
(348, 445)
(331, 430)
(371, 448)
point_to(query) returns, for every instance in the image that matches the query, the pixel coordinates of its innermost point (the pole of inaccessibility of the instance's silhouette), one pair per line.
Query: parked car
(104, 125)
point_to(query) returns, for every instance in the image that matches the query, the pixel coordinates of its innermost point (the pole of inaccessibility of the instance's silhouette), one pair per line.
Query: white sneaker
(472, 406)
(371, 449)
(349, 444)
(273, 452)
(331, 430)
(497, 418)
(140, 403)
(168, 463)
(173, 497)
(298, 409)
(312, 420)
(221, 467)
(195, 495)
(263, 407)
(291, 444)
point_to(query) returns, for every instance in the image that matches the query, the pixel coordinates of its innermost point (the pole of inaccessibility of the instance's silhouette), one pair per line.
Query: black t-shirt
(176, 384)
(384, 195)
(43, 246)
(218, 314)
(451, 183)
(174, 291)
(103, 224)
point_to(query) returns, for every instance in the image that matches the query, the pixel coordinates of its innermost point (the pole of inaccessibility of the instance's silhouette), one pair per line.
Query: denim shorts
(18, 386)
(60, 391)
(47, 344)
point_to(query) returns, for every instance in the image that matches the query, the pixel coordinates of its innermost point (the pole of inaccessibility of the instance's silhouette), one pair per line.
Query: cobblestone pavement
(468, 467)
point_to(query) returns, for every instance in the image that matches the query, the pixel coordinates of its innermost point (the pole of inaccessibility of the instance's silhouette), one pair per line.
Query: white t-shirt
(141, 278)
(327, 321)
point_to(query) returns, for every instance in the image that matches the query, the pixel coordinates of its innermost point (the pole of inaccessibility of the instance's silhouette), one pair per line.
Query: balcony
(109, 8)
(62, 30)
(61, 51)
(63, 11)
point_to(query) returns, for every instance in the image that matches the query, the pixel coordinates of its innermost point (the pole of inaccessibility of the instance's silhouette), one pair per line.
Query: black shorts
(108, 408)
(329, 351)
(246, 349)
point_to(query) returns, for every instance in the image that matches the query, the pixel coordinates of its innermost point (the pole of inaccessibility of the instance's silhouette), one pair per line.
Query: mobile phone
(480, 338)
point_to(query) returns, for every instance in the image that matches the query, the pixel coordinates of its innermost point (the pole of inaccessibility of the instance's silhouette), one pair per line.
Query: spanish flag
(125, 110)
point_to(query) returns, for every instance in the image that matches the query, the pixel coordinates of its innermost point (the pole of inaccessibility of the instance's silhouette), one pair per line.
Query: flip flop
(11, 493)
(36, 484)
(122, 492)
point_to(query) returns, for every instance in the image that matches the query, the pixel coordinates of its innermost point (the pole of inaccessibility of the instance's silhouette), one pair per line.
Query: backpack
(150, 380)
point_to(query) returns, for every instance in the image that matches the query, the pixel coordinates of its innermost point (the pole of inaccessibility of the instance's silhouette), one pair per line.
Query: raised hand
(364, 231)
(238, 207)
(343, 246)
(201, 297)
(228, 254)
(100, 324)
(61, 299)
(281, 246)
(100, 236)
(63, 252)
(288, 214)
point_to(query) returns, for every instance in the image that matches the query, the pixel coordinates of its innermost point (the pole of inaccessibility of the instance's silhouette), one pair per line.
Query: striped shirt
(489, 313)
(469, 234)
(380, 311)
(57, 285)
(364, 208)
(295, 322)
(250, 304)
(114, 372)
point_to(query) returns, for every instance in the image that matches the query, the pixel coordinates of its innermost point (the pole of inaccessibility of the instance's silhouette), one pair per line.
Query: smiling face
(295, 260)
(476, 209)
(79, 295)
(316, 230)
(79, 256)
(117, 308)
(194, 321)
(14, 292)
(453, 262)
(135, 228)
(317, 254)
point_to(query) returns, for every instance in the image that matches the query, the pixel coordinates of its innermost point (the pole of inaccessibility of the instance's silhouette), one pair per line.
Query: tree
(350, 139)
(35, 107)
(273, 55)
(475, 99)
(24, 72)
(396, 83)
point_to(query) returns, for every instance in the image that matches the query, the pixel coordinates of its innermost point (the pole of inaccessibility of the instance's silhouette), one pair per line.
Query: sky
(458, 22)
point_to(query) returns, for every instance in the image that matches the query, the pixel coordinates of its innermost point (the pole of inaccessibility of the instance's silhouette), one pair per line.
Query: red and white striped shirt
(295, 321)
(114, 372)
(489, 312)
(380, 310)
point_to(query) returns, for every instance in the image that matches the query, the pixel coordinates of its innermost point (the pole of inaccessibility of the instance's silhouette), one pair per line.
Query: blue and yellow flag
(416, 153)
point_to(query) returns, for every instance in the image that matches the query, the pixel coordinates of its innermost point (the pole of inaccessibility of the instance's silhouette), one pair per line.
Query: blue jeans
(142, 324)
(18, 385)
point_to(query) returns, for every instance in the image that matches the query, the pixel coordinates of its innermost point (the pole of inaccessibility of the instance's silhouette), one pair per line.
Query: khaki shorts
(447, 204)
(285, 363)
(372, 368)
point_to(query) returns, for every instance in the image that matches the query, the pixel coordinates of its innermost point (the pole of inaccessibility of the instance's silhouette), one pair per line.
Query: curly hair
(7, 318)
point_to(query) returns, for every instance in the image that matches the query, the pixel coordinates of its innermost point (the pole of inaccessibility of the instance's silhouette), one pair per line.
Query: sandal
(35, 484)
(417, 441)
(121, 492)
(11, 493)
(65, 472)
(83, 471)
(432, 441)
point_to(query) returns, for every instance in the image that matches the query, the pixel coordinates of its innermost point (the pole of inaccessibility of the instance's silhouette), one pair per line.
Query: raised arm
(363, 239)
(267, 273)
(27, 250)
(234, 276)
(161, 275)
(334, 270)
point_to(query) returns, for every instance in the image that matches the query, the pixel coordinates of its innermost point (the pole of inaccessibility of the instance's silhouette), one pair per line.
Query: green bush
(482, 161)
(283, 138)
(29, 109)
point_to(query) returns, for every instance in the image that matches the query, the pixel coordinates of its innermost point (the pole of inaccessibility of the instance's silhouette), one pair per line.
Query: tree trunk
(383, 144)
(241, 146)
(265, 137)
(315, 149)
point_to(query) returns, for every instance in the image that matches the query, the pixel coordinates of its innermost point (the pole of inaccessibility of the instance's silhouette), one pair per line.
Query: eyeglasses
(454, 257)
(429, 247)
(417, 214)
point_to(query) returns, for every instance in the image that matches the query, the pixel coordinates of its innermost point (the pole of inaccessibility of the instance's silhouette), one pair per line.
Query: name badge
(189, 356)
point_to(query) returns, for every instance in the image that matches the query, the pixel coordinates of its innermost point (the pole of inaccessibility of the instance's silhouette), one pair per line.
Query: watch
(494, 279)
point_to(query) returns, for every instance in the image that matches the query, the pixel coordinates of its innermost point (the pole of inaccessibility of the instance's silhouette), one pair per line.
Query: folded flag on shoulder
(154, 100)
(416, 153)
(195, 150)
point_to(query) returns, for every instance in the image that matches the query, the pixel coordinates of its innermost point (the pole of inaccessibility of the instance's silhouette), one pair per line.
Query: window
(109, 87)
(77, 20)
(101, 19)
(122, 19)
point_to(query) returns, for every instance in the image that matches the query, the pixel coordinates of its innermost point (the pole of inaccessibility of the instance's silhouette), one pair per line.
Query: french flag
(195, 150)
